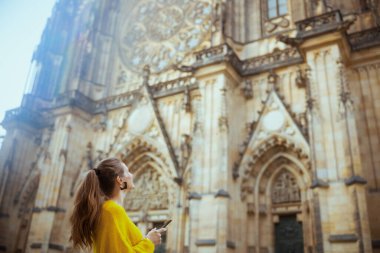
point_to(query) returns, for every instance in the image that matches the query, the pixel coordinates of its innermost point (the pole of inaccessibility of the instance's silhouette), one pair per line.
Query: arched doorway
(276, 191)
(286, 208)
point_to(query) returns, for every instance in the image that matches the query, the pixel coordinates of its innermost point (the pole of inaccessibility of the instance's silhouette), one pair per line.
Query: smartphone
(166, 223)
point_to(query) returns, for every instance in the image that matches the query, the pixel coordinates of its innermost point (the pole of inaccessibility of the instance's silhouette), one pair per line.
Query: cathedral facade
(253, 124)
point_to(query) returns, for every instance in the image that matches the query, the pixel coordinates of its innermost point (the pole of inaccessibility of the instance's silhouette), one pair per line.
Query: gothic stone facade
(254, 125)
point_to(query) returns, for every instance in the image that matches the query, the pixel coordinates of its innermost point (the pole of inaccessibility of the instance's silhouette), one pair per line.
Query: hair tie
(96, 171)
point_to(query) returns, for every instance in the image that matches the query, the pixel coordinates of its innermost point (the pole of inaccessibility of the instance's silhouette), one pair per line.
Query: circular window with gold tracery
(161, 33)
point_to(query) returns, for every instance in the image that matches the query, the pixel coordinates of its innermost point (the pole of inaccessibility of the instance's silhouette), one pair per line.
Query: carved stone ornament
(150, 193)
(285, 189)
(186, 103)
(162, 33)
(185, 150)
(301, 79)
(272, 25)
(250, 66)
(122, 78)
(247, 89)
(277, 126)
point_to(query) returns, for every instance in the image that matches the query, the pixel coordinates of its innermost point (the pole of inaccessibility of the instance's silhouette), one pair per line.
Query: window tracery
(161, 33)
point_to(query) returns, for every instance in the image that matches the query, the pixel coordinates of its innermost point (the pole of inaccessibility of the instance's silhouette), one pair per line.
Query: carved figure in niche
(285, 189)
(185, 151)
(247, 89)
(272, 80)
(186, 104)
(301, 79)
(122, 78)
(101, 124)
(221, 16)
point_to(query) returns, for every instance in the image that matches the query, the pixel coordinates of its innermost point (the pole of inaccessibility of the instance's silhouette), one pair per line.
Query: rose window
(161, 33)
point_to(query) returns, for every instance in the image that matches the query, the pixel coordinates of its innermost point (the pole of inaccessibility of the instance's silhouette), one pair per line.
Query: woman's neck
(118, 197)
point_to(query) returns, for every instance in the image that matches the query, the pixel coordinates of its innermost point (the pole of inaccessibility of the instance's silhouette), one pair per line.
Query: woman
(99, 221)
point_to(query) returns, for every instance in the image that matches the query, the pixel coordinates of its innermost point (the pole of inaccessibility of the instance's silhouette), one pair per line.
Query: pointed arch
(151, 193)
(277, 139)
(266, 158)
(276, 128)
(155, 187)
(262, 167)
(139, 152)
(264, 150)
(284, 187)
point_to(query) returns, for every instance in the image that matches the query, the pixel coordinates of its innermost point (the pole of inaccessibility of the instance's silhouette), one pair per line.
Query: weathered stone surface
(265, 134)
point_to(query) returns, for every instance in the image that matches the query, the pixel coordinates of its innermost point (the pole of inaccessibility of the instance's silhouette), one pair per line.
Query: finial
(146, 74)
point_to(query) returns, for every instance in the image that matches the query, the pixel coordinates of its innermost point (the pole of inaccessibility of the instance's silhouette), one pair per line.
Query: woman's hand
(155, 235)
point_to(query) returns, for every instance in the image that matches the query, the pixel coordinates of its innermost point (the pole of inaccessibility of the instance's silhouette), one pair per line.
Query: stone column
(209, 202)
(341, 221)
(51, 165)
(17, 155)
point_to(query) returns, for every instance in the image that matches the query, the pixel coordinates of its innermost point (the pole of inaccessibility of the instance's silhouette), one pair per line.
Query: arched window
(277, 8)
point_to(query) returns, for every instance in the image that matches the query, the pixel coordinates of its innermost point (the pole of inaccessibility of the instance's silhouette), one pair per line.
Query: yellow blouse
(116, 233)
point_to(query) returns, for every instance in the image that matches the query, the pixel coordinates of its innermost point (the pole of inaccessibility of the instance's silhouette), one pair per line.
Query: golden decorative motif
(161, 33)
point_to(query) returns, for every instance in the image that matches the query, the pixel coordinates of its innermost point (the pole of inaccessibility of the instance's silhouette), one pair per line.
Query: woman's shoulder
(110, 206)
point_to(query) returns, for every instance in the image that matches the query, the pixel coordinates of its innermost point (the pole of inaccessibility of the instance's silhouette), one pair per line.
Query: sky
(21, 26)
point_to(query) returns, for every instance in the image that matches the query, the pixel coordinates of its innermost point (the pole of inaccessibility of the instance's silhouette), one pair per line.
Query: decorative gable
(275, 120)
(275, 132)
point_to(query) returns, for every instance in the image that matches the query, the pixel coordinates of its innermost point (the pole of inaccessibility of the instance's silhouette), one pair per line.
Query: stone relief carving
(162, 33)
(185, 150)
(250, 208)
(273, 79)
(101, 122)
(247, 89)
(187, 180)
(319, 21)
(179, 84)
(301, 78)
(285, 189)
(223, 118)
(345, 101)
(122, 78)
(311, 92)
(28, 195)
(277, 124)
(151, 193)
(186, 104)
(221, 16)
(250, 165)
(153, 131)
(365, 39)
(249, 66)
(272, 25)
